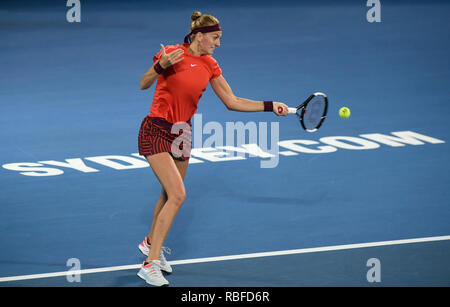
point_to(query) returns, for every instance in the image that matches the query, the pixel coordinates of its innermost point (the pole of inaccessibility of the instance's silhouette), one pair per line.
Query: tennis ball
(344, 112)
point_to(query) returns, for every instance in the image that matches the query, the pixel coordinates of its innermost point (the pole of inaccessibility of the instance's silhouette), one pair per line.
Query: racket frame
(303, 107)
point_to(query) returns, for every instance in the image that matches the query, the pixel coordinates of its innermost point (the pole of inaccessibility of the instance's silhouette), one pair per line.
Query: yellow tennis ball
(344, 112)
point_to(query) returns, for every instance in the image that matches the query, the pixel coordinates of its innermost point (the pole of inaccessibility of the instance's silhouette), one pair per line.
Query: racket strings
(314, 113)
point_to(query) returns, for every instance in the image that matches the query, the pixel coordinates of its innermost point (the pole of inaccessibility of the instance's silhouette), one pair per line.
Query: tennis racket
(312, 112)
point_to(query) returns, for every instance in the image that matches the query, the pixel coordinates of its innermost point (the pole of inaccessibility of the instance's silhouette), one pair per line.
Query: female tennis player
(182, 73)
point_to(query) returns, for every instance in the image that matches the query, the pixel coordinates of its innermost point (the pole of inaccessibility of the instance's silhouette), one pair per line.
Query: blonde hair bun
(196, 15)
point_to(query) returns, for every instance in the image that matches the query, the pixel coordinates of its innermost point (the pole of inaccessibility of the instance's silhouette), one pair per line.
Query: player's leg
(159, 204)
(182, 167)
(168, 174)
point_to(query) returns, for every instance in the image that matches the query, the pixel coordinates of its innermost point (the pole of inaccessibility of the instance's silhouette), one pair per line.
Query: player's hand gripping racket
(311, 112)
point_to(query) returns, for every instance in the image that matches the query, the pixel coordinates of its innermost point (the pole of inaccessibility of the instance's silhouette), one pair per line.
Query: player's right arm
(233, 103)
(166, 60)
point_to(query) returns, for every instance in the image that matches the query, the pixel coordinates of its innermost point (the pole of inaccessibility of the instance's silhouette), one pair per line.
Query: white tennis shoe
(151, 273)
(144, 247)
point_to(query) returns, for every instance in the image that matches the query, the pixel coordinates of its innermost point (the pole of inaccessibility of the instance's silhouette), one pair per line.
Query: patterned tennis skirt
(155, 136)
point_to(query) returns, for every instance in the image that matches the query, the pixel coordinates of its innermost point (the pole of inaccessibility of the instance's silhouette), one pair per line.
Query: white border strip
(232, 257)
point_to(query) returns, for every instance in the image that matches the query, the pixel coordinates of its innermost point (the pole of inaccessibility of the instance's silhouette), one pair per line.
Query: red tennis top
(179, 88)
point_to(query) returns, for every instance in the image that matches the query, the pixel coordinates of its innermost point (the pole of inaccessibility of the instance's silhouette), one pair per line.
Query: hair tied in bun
(196, 15)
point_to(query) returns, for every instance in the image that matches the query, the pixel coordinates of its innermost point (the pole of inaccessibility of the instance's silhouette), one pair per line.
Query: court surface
(362, 202)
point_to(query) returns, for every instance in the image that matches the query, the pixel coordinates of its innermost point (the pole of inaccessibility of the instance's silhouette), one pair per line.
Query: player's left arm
(224, 92)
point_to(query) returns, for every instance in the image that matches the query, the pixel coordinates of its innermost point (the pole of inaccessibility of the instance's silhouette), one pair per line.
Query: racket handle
(290, 110)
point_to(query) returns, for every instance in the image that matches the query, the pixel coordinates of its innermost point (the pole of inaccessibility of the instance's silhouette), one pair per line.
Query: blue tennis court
(363, 201)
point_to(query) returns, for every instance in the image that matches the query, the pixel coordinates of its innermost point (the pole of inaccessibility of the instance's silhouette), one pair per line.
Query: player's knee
(178, 196)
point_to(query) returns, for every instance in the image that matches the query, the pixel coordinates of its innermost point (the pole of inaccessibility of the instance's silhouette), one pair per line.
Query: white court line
(232, 257)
